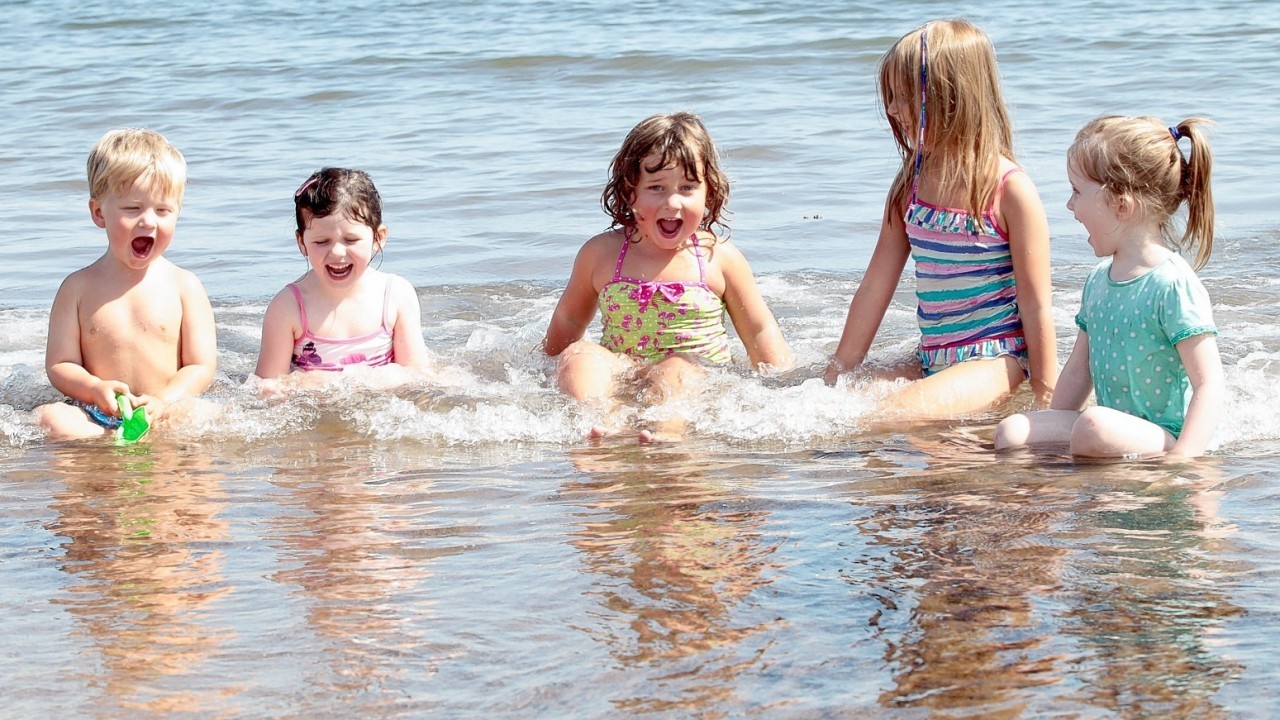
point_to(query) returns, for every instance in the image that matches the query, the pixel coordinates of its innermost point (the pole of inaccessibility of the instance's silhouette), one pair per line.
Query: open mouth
(670, 227)
(339, 272)
(141, 246)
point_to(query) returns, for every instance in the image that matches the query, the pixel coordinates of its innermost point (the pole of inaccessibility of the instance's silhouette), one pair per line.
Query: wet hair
(331, 190)
(678, 139)
(967, 127)
(124, 156)
(1139, 158)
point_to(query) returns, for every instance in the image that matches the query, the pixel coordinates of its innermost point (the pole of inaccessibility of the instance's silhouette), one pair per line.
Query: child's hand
(832, 372)
(1043, 394)
(104, 396)
(154, 405)
(266, 388)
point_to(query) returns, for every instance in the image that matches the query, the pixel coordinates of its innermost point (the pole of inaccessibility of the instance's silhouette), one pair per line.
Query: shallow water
(349, 577)
(454, 547)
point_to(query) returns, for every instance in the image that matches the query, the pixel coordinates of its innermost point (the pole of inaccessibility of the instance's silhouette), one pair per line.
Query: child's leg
(661, 382)
(1103, 432)
(665, 379)
(61, 421)
(586, 372)
(1035, 428)
(968, 387)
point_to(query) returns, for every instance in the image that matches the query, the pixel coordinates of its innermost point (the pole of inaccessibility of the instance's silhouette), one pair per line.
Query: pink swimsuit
(313, 352)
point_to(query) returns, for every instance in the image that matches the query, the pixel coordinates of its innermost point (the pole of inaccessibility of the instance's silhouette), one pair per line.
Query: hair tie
(1173, 130)
(303, 188)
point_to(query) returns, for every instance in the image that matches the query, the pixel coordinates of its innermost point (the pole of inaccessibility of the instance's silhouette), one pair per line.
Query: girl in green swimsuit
(660, 278)
(1147, 348)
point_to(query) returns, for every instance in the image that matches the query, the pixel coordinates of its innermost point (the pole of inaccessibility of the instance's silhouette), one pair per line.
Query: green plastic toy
(133, 422)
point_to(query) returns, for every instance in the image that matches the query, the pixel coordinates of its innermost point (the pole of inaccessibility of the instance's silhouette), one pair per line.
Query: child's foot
(600, 432)
(665, 431)
(610, 429)
(648, 437)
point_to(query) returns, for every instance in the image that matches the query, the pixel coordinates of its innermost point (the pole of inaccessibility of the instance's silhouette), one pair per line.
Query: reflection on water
(1099, 580)
(140, 534)
(354, 553)
(907, 574)
(676, 552)
(1151, 598)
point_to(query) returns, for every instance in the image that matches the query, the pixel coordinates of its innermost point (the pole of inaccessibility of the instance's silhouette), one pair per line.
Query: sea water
(456, 547)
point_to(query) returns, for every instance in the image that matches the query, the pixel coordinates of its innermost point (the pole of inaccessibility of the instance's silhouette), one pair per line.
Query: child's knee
(1089, 434)
(1013, 431)
(580, 357)
(60, 421)
(581, 347)
(586, 371)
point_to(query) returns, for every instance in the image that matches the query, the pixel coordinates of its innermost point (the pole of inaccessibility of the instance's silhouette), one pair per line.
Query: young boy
(132, 322)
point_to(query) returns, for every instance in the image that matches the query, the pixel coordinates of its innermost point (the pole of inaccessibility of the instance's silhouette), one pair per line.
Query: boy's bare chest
(132, 317)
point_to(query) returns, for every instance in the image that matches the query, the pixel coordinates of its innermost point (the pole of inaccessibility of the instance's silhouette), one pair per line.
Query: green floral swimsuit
(652, 321)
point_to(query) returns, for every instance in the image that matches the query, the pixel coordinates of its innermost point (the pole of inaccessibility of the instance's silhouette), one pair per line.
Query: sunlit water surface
(455, 547)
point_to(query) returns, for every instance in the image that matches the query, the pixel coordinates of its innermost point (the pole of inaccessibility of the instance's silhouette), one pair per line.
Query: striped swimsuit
(967, 304)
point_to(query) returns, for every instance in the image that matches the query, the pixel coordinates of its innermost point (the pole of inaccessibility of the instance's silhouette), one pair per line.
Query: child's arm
(1200, 357)
(1028, 229)
(410, 347)
(577, 306)
(281, 326)
(1076, 381)
(875, 292)
(63, 362)
(199, 347)
(1057, 423)
(752, 319)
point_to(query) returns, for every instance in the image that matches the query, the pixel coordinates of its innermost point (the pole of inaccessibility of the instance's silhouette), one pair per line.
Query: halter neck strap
(924, 95)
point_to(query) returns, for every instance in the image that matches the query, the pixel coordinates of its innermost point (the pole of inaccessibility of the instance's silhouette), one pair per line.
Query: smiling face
(139, 221)
(339, 248)
(1095, 209)
(668, 206)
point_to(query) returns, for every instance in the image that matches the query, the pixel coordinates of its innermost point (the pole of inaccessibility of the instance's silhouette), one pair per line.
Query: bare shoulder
(727, 267)
(606, 244)
(283, 301)
(1018, 185)
(399, 284)
(724, 252)
(73, 285)
(401, 289)
(187, 282)
(1018, 203)
(597, 257)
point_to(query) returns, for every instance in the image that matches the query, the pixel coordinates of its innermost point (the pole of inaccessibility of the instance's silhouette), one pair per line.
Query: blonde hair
(677, 139)
(967, 128)
(1139, 158)
(122, 157)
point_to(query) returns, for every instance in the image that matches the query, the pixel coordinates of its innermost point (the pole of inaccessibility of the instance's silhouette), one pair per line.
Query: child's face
(1094, 209)
(668, 206)
(139, 222)
(901, 109)
(339, 248)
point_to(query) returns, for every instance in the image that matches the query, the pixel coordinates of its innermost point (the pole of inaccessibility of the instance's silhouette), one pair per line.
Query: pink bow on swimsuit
(672, 291)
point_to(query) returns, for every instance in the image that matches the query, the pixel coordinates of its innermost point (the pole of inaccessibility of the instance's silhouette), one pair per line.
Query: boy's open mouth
(141, 246)
(669, 227)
